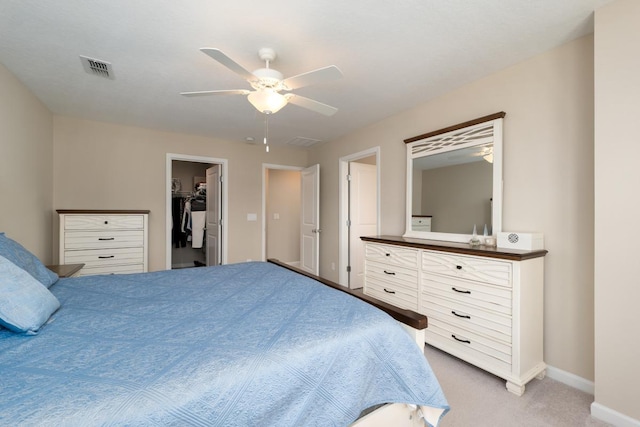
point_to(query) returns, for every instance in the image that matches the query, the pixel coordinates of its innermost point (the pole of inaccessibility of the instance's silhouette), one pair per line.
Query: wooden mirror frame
(463, 135)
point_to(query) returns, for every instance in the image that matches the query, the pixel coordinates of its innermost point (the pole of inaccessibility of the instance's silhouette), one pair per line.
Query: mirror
(454, 181)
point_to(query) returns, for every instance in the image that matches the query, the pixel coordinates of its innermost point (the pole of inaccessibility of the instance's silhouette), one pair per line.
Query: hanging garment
(198, 220)
(178, 237)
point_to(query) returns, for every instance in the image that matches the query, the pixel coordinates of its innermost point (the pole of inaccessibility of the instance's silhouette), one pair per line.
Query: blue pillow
(17, 254)
(25, 304)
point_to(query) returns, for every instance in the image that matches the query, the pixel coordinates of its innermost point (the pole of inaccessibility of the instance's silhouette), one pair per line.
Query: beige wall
(548, 179)
(106, 166)
(284, 199)
(617, 207)
(458, 197)
(26, 169)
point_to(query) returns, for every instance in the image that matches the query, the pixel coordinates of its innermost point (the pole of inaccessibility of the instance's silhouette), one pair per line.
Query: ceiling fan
(268, 83)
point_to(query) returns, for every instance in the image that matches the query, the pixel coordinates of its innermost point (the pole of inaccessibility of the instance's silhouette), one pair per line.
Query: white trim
(610, 416)
(571, 380)
(265, 167)
(343, 194)
(224, 172)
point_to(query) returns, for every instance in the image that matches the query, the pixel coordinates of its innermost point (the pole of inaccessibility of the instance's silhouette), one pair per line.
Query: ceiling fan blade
(217, 92)
(310, 104)
(219, 56)
(309, 78)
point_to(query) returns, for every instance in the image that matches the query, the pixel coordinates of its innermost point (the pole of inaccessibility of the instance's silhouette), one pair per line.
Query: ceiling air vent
(301, 141)
(97, 67)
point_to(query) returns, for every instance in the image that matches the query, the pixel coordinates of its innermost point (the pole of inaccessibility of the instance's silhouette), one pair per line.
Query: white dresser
(484, 305)
(105, 241)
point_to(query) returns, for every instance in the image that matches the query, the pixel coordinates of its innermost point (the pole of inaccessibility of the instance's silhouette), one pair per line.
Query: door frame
(224, 211)
(265, 168)
(343, 195)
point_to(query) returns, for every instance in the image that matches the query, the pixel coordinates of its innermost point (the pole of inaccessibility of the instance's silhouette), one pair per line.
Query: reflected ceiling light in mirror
(488, 154)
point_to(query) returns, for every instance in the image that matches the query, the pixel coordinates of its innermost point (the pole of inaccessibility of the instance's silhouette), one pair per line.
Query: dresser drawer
(407, 277)
(487, 323)
(103, 239)
(392, 255)
(473, 347)
(103, 257)
(471, 268)
(487, 297)
(103, 222)
(392, 293)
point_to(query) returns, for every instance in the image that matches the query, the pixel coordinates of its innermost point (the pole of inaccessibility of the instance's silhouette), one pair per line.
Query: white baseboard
(610, 416)
(293, 263)
(598, 411)
(570, 379)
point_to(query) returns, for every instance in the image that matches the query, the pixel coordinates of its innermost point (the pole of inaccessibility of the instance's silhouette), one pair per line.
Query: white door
(363, 195)
(214, 220)
(310, 220)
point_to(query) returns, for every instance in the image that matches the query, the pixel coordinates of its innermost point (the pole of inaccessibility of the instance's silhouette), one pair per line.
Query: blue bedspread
(237, 345)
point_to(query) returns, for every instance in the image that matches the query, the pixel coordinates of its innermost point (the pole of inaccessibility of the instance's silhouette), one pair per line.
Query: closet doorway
(196, 208)
(359, 212)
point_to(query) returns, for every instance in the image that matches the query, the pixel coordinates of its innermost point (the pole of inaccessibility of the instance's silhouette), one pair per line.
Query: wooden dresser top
(458, 248)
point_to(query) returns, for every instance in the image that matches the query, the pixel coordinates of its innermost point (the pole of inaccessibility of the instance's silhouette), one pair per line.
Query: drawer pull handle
(462, 292)
(105, 257)
(458, 339)
(388, 291)
(391, 273)
(106, 222)
(459, 267)
(464, 316)
(106, 238)
(387, 254)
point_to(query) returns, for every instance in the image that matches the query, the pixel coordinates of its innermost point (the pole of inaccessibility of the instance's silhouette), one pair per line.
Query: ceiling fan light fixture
(267, 101)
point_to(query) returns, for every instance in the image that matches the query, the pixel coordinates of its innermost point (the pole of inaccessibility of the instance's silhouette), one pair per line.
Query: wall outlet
(276, 216)
(252, 217)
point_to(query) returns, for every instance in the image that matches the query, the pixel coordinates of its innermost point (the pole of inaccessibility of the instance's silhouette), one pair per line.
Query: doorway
(290, 215)
(196, 195)
(359, 212)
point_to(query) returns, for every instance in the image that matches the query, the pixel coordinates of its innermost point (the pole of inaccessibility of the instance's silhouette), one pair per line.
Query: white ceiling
(393, 54)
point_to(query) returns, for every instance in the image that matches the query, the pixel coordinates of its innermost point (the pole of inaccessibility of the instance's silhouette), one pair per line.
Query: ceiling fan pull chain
(266, 131)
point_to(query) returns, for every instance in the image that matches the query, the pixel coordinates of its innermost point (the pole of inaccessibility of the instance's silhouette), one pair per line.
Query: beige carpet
(479, 399)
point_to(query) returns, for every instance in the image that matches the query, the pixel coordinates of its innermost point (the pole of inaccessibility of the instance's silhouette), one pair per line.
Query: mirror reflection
(453, 191)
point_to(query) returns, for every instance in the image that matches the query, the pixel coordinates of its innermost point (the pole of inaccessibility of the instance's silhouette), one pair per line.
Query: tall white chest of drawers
(106, 241)
(484, 305)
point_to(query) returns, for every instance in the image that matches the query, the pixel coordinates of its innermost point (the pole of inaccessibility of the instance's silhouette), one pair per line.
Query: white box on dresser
(484, 305)
(106, 241)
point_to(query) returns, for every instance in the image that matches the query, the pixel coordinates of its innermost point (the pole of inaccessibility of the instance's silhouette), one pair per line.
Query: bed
(234, 345)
